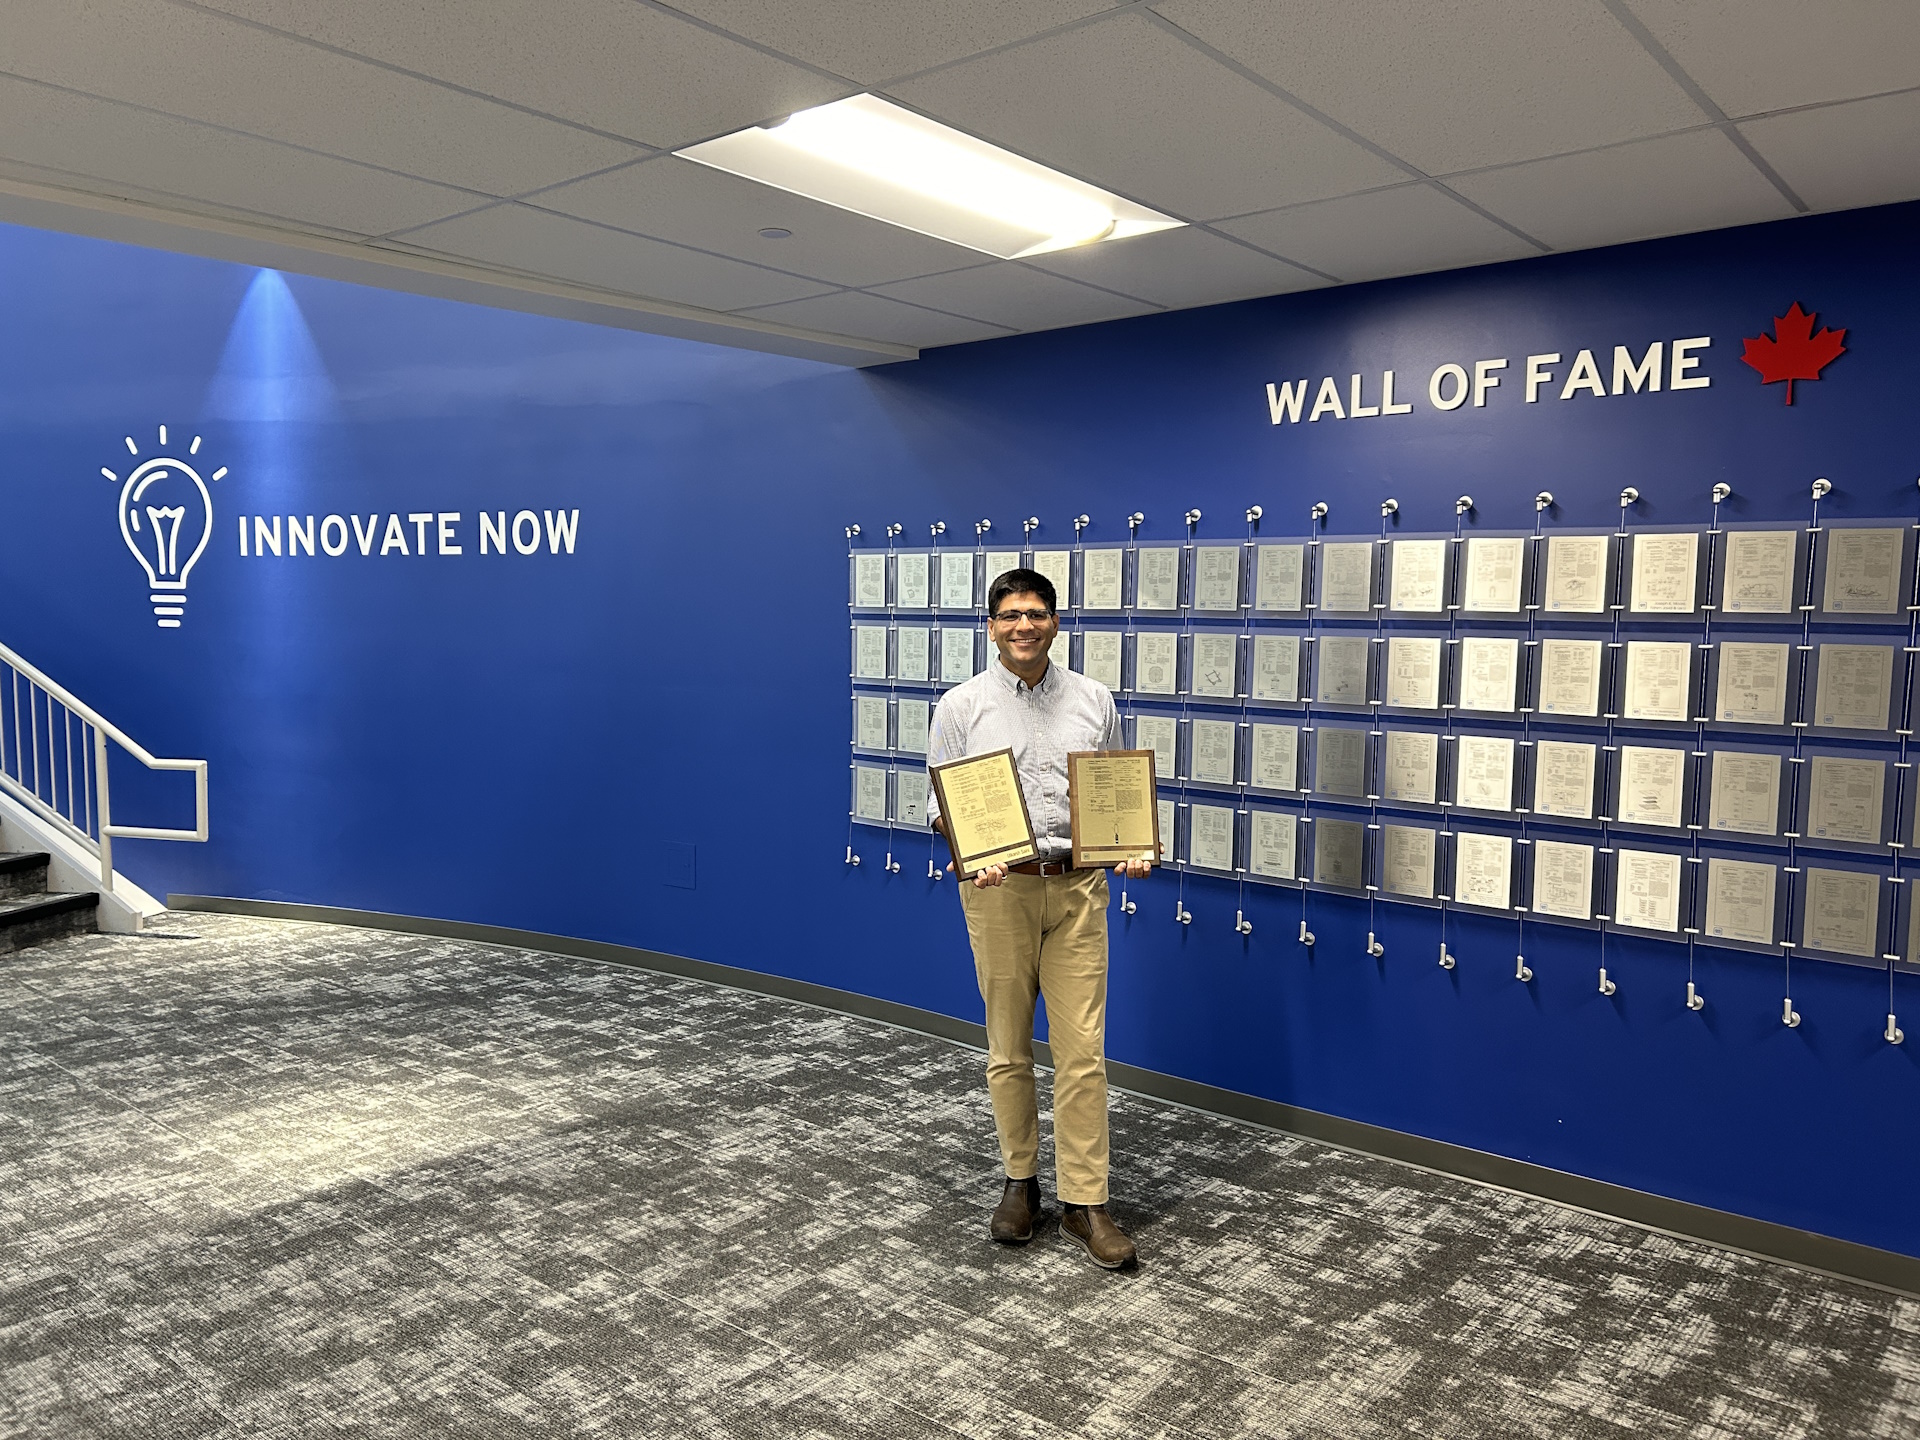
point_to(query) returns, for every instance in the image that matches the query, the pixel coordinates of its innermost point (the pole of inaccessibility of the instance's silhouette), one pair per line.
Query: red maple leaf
(1793, 352)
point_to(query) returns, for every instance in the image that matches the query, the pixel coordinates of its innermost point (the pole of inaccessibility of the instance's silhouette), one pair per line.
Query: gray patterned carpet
(264, 1178)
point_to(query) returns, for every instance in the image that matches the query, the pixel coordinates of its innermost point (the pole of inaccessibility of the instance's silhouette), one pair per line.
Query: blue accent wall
(528, 740)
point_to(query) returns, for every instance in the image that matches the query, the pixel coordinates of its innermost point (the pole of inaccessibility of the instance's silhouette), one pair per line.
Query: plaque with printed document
(1111, 805)
(983, 812)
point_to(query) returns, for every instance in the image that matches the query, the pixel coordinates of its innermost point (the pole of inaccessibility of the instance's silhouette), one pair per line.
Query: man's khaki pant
(1046, 935)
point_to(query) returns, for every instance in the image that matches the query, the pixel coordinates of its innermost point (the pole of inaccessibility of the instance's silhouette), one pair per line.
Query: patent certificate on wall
(1275, 758)
(869, 792)
(870, 722)
(1406, 860)
(1487, 673)
(1483, 772)
(870, 580)
(1844, 798)
(1216, 656)
(1409, 767)
(1419, 576)
(1646, 891)
(1101, 575)
(1482, 870)
(1664, 574)
(1339, 761)
(914, 644)
(1276, 667)
(1156, 655)
(1650, 786)
(870, 652)
(1210, 837)
(1216, 577)
(1740, 900)
(1057, 566)
(1843, 912)
(1563, 778)
(1576, 581)
(1215, 749)
(997, 562)
(956, 580)
(1753, 683)
(910, 796)
(1160, 734)
(1855, 682)
(1570, 677)
(1346, 575)
(956, 654)
(1494, 567)
(911, 575)
(1340, 665)
(1413, 672)
(1338, 850)
(1863, 572)
(1100, 656)
(1756, 578)
(1658, 676)
(1276, 576)
(1743, 797)
(1272, 844)
(1563, 879)
(1158, 584)
(1166, 829)
(911, 719)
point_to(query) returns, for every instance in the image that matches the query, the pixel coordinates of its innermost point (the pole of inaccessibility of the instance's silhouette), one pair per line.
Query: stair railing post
(105, 810)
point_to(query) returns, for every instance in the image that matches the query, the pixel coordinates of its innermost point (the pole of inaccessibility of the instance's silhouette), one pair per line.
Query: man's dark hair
(1020, 582)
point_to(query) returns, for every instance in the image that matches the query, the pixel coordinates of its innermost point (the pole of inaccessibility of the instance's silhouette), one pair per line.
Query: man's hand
(1134, 869)
(992, 875)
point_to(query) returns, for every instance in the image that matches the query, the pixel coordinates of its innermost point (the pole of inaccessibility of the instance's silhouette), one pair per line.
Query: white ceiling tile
(1009, 293)
(712, 210)
(1757, 55)
(206, 67)
(1127, 105)
(1836, 157)
(1697, 181)
(611, 64)
(871, 43)
(1179, 268)
(105, 146)
(1402, 231)
(537, 242)
(874, 317)
(1453, 86)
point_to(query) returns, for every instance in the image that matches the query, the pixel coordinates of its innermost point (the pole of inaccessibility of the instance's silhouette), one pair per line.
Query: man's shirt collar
(1014, 683)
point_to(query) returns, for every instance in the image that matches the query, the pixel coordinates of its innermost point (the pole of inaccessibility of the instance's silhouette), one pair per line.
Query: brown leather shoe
(1019, 1207)
(1096, 1233)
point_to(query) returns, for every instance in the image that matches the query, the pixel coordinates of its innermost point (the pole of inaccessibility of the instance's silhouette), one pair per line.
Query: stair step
(27, 920)
(23, 872)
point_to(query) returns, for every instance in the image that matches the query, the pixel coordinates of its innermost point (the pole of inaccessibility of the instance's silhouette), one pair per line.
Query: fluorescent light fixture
(876, 159)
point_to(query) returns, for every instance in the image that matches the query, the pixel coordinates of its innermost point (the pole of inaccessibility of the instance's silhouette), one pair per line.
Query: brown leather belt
(1042, 867)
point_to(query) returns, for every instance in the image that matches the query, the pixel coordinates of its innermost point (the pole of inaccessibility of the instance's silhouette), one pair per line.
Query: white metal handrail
(40, 721)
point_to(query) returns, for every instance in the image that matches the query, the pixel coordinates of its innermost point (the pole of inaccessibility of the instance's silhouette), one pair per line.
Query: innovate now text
(424, 532)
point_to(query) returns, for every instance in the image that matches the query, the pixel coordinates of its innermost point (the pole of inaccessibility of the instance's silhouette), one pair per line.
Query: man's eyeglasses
(1008, 617)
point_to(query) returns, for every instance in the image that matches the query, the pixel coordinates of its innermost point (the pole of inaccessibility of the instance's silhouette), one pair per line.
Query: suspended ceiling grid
(519, 153)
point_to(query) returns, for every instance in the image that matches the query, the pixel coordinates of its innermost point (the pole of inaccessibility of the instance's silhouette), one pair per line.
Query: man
(1041, 927)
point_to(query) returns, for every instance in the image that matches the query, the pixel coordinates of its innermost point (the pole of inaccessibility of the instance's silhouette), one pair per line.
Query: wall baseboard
(1804, 1249)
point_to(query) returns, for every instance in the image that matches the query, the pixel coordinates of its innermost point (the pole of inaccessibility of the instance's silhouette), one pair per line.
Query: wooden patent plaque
(1112, 802)
(984, 812)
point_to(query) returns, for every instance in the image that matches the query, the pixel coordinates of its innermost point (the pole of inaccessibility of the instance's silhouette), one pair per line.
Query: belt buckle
(1054, 867)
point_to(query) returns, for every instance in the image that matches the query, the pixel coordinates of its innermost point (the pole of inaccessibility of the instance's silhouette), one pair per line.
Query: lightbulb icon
(166, 516)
